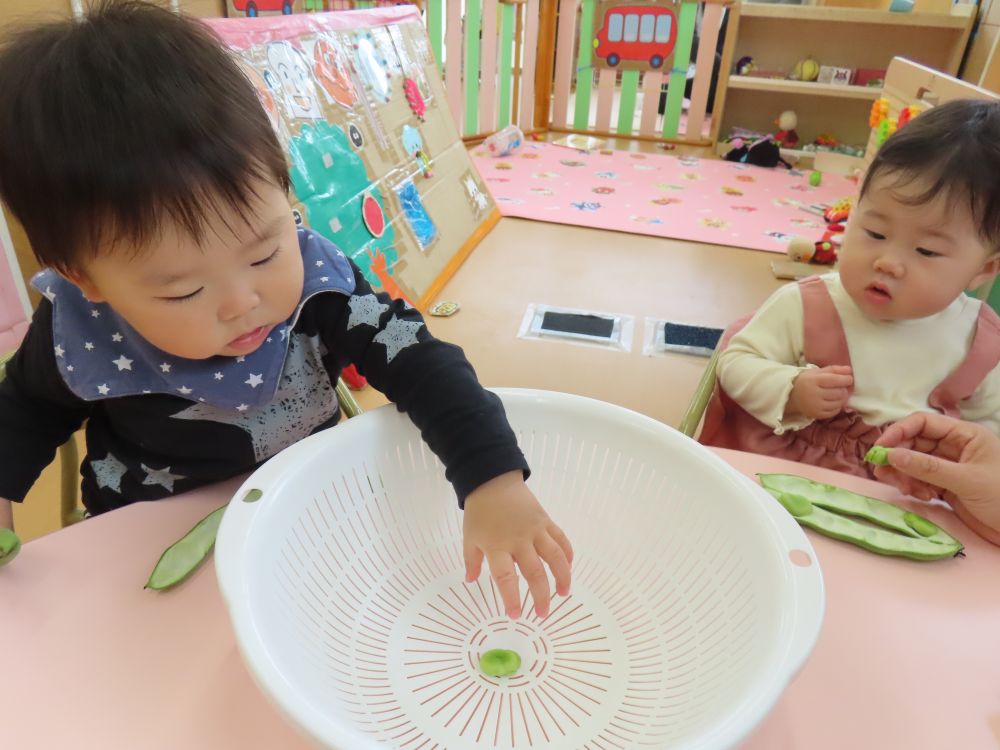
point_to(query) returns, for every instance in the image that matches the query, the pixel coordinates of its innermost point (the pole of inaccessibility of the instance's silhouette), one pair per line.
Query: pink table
(908, 657)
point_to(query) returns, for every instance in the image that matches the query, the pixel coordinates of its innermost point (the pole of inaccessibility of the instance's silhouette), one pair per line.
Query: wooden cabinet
(778, 36)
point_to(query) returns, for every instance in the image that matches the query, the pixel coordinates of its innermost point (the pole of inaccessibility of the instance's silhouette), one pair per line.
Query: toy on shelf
(906, 114)
(824, 251)
(805, 70)
(834, 75)
(883, 124)
(745, 66)
(786, 136)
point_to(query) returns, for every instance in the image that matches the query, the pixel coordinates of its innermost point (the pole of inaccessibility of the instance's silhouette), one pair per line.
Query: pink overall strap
(824, 342)
(983, 356)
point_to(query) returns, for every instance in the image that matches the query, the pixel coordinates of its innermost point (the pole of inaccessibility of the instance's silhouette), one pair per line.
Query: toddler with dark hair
(187, 319)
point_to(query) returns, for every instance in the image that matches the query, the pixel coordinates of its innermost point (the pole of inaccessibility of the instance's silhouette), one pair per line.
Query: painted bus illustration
(637, 32)
(253, 7)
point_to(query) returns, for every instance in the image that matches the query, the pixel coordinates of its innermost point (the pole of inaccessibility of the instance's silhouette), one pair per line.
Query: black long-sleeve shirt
(147, 446)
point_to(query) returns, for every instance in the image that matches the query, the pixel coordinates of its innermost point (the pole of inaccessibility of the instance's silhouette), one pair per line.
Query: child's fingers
(840, 369)
(531, 567)
(552, 553)
(505, 576)
(834, 395)
(834, 380)
(562, 540)
(473, 562)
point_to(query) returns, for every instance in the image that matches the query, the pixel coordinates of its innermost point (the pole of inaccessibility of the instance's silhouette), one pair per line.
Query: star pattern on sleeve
(397, 335)
(162, 477)
(123, 362)
(108, 472)
(365, 310)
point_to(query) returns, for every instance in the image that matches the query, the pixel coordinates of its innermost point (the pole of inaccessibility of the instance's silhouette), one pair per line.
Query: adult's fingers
(929, 469)
(926, 426)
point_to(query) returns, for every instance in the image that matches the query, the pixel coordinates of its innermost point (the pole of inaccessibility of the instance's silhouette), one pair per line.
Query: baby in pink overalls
(826, 364)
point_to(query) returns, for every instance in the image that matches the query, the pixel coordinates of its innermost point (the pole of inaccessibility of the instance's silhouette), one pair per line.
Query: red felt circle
(373, 216)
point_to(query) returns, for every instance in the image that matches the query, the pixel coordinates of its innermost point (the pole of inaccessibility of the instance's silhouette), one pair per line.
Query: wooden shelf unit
(778, 36)
(807, 88)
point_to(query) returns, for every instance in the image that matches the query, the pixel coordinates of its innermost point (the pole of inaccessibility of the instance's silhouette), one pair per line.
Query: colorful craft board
(377, 163)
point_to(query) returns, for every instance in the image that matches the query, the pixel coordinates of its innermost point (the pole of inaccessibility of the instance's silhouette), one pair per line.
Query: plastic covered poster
(377, 164)
(631, 35)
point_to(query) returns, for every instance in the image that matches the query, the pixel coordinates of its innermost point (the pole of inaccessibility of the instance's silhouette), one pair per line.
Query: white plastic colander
(695, 597)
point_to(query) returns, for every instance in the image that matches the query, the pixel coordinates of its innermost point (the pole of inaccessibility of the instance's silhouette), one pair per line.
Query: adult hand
(937, 456)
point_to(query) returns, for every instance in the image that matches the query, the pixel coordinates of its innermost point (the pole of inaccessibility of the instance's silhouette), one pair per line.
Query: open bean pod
(832, 511)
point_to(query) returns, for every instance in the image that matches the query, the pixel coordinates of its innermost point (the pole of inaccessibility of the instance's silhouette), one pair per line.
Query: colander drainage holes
(800, 557)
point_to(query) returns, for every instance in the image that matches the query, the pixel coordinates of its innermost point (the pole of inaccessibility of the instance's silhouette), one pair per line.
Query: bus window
(615, 21)
(646, 28)
(663, 28)
(631, 27)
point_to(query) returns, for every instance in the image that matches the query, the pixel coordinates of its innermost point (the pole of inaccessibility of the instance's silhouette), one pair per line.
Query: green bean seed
(878, 454)
(797, 505)
(10, 545)
(500, 662)
(184, 556)
(920, 524)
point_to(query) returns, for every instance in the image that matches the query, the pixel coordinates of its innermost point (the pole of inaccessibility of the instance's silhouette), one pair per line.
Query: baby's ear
(991, 267)
(80, 278)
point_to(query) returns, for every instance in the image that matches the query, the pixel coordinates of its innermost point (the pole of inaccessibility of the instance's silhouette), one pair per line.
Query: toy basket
(695, 597)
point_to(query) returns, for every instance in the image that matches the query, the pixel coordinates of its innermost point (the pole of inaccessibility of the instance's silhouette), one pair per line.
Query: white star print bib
(101, 356)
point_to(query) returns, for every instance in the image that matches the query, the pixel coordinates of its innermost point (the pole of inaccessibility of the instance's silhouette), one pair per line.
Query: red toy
(824, 251)
(786, 137)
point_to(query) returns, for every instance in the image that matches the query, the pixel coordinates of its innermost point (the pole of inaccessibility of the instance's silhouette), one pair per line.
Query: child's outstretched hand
(820, 393)
(505, 523)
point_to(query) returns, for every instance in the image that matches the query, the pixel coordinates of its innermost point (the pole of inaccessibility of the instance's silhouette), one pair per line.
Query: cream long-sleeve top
(897, 364)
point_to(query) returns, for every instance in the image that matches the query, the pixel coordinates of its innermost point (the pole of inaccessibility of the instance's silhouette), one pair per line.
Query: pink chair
(15, 312)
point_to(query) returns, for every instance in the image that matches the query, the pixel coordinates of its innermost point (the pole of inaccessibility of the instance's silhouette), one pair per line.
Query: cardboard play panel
(377, 164)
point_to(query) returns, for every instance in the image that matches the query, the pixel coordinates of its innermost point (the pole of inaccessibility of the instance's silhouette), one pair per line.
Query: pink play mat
(682, 197)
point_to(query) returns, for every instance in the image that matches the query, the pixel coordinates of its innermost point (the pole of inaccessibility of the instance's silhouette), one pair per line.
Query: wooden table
(908, 656)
